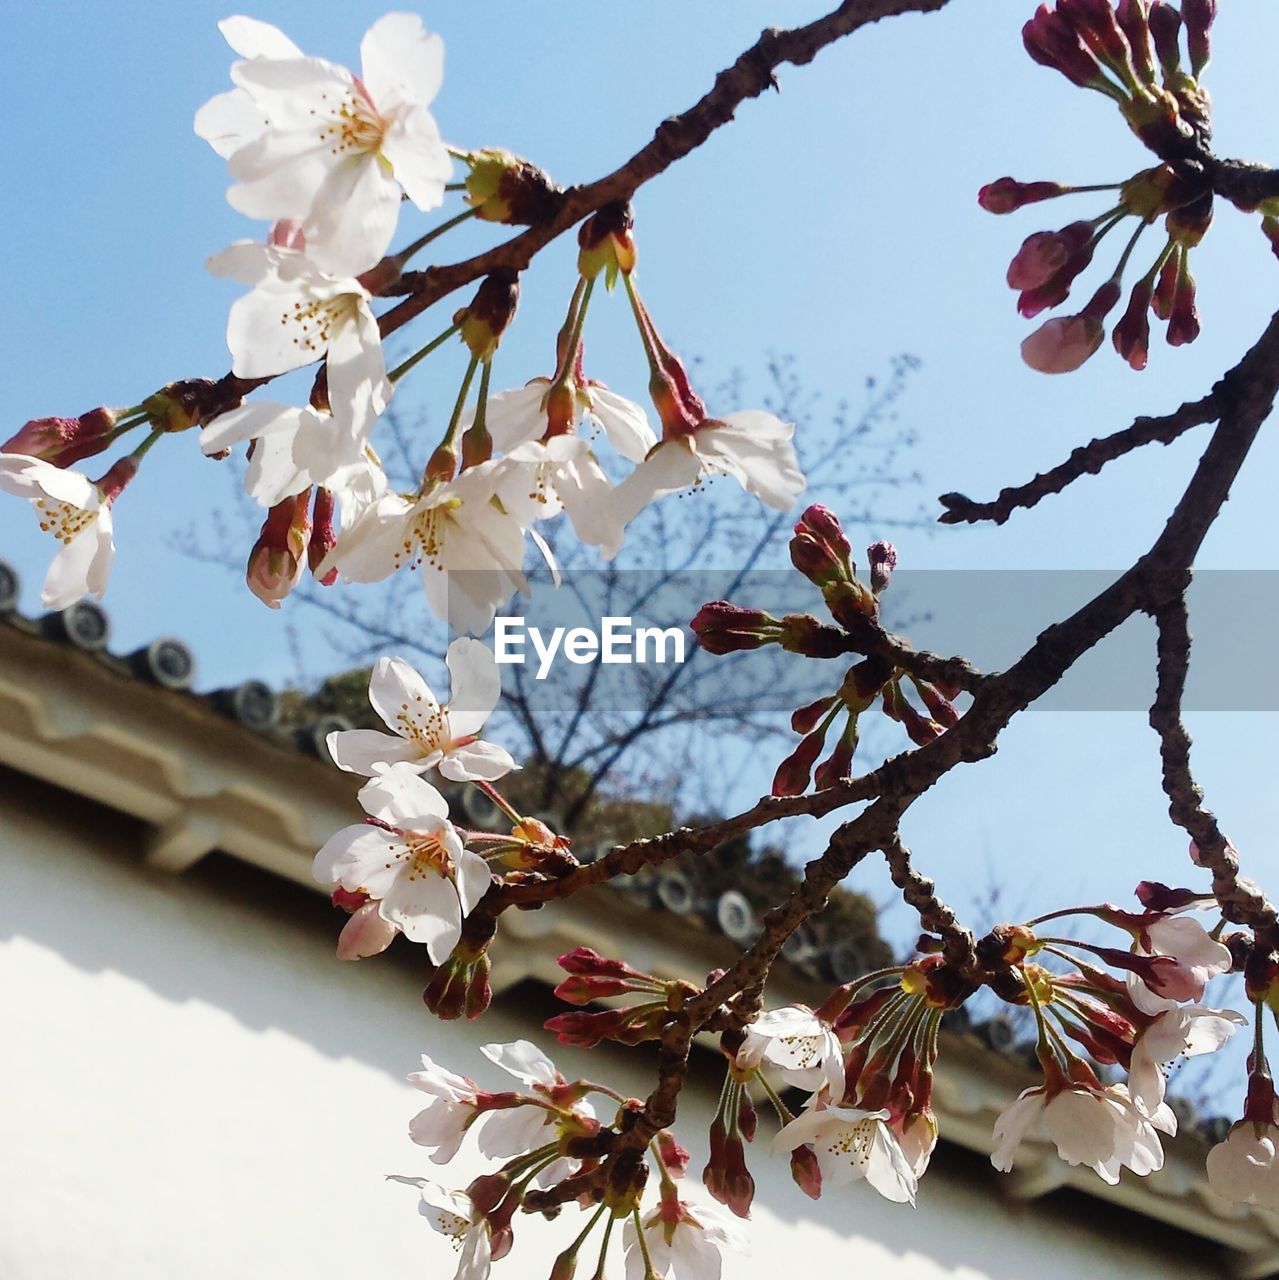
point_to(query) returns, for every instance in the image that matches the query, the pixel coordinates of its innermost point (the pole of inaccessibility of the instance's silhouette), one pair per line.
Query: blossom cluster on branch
(327, 161)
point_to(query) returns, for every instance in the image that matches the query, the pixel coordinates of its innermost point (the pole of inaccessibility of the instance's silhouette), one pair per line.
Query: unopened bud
(1165, 30)
(606, 243)
(279, 556)
(1133, 19)
(1198, 16)
(490, 313)
(1131, 337)
(64, 441)
(721, 627)
(503, 187)
(323, 535)
(805, 1172)
(1007, 195)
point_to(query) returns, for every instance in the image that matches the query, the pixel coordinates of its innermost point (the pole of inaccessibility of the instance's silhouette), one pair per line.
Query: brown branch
(918, 891)
(1087, 459)
(1240, 900)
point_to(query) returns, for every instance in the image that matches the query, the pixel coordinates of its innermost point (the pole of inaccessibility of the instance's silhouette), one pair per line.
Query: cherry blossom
(77, 512)
(425, 735)
(803, 1047)
(455, 1216)
(1179, 1031)
(517, 417)
(295, 314)
(443, 1123)
(1199, 957)
(753, 447)
(329, 148)
(1102, 1128)
(683, 1241)
(851, 1144)
(1244, 1168)
(562, 474)
(414, 866)
(470, 548)
(516, 1130)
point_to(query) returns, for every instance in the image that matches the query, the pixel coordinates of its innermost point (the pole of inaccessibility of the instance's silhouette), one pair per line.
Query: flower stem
(401, 369)
(422, 241)
(498, 800)
(141, 451)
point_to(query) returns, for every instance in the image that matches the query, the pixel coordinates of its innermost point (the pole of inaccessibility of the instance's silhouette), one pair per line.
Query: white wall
(193, 1087)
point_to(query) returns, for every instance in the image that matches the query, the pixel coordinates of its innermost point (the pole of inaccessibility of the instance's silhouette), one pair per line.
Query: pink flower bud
(1051, 293)
(1051, 42)
(1094, 21)
(721, 627)
(1062, 344)
(805, 1172)
(365, 934)
(1166, 287)
(806, 719)
(323, 534)
(1006, 195)
(1183, 323)
(1133, 19)
(839, 764)
(1198, 16)
(726, 1176)
(1165, 29)
(794, 772)
(939, 707)
(64, 441)
(279, 555)
(1132, 334)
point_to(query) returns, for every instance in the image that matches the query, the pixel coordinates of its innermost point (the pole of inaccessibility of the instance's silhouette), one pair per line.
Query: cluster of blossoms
(864, 1059)
(544, 1134)
(326, 159)
(1131, 54)
(820, 550)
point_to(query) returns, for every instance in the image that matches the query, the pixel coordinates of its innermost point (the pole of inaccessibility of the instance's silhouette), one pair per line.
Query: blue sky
(836, 220)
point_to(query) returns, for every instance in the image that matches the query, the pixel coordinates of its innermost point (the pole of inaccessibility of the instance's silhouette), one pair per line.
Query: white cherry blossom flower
(334, 150)
(684, 1241)
(1179, 1031)
(851, 1144)
(753, 447)
(425, 735)
(1244, 1167)
(416, 868)
(231, 120)
(513, 1131)
(469, 547)
(1199, 957)
(454, 1215)
(805, 1050)
(77, 513)
(443, 1123)
(517, 417)
(562, 474)
(295, 314)
(1101, 1128)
